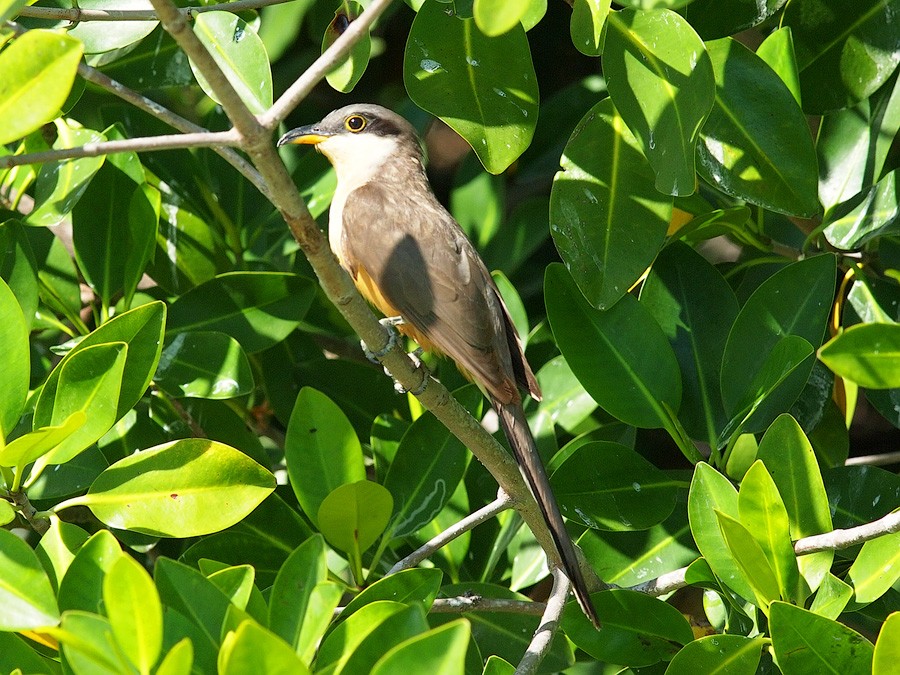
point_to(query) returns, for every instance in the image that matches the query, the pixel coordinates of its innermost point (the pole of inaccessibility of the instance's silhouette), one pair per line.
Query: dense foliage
(692, 211)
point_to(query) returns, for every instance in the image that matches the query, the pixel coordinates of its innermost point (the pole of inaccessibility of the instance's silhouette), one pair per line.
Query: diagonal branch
(78, 15)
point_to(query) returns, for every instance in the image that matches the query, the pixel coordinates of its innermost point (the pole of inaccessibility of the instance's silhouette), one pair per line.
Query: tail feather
(514, 424)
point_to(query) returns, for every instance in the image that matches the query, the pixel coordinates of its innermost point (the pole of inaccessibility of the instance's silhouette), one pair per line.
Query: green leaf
(791, 461)
(750, 561)
(777, 50)
(235, 582)
(7, 513)
(351, 68)
(695, 307)
(861, 494)
(251, 648)
(637, 630)
(26, 596)
(188, 252)
(718, 18)
(28, 447)
(756, 143)
(179, 659)
(762, 511)
(887, 648)
(586, 25)
(805, 642)
(134, 611)
(184, 590)
(483, 87)
(410, 586)
(90, 383)
(321, 450)
(620, 355)
(795, 301)
(660, 79)
(717, 655)
(185, 488)
(156, 62)
(876, 568)
(239, 52)
(607, 220)
(204, 364)
(876, 213)
(868, 354)
(82, 586)
(102, 36)
(495, 17)
(141, 329)
(429, 464)
(440, 651)
(258, 309)
(712, 493)
(478, 202)
(8, 10)
(18, 268)
(563, 399)
(15, 653)
(630, 493)
(61, 184)
(87, 645)
(356, 644)
(16, 371)
(291, 597)
(844, 52)
(39, 68)
(832, 597)
(353, 516)
(57, 548)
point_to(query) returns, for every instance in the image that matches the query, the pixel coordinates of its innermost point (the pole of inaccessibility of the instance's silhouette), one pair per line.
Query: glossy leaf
(39, 68)
(87, 644)
(844, 52)
(751, 561)
(258, 309)
(696, 308)
(204, 364)
(861, 494)
(28, 447)
(778, 51)
(90, 382)
(101, 36)
(868, 354)
(718, 18)
(887, 648)
(440, 651)
(620, 355)
(637, 630)
(184, 488)
(629, 494)
(57, 548)
(483, 87)
(563, 399)
(15, 375)
(188, 252)
(832, 597)
(495, 17)
(712, 493)
(353, 516)
(586, 25)
(350, 69)
(756, 144)
(155, 63)
(141, 330)
(253, 648)
(18, 267)
(876, 568)
(762, 511)
(25, 593)
(416, 585)
(661, 81)
(134, 611)
(322, 450)
(239, 52)
(291, 595)
(717, 655)
(607, 220)
(795, 301)
(875, 213)
(806, 642)
(82, 586)
(789, 458)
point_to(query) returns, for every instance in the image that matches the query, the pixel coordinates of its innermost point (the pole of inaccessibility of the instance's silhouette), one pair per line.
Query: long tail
(512, 419)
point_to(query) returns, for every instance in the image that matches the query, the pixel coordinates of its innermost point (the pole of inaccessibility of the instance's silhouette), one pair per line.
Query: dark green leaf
(717, 655)
(586, 25)
(292, 591)
(204, 364)
(15, 373)
(417, 585)
(18, 267)
(861, 494)
(874, 214)
(350, 69)
(718, 18)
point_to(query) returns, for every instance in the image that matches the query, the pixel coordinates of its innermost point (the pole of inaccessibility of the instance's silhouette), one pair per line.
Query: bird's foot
(390, 323)
(420, 366)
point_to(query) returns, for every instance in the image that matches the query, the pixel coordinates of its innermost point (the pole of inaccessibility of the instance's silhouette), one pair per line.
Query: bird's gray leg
(390, 323)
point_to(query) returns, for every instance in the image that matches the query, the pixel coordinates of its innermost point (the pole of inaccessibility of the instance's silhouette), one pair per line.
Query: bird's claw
(415, 356)
(390, 323)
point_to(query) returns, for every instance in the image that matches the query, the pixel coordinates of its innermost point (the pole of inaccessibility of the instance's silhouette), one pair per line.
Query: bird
(411, 260)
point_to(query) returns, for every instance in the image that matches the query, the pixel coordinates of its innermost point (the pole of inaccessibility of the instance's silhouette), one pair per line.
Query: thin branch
(543, 636)
(140, 144)
(502, 503)
(77, 15)
(316, 72)
(875, 460)
(478, 603)
(830, 541)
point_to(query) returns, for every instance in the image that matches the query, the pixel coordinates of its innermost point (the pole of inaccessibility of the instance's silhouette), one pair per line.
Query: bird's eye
(355, 123)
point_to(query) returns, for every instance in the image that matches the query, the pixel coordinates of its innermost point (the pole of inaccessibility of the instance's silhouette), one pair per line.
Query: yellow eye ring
(355, 123)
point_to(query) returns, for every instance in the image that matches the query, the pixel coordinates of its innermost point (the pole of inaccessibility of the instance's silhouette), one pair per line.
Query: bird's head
(361, 135)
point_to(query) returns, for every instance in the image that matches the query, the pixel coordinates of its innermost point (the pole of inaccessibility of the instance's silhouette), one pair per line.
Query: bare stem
(77, 15)
(543, 636)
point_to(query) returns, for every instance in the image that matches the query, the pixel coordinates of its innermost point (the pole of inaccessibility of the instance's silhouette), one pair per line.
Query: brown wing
(427, 271)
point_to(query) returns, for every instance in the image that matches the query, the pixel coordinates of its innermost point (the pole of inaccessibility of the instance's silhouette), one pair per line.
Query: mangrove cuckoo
(410, 259)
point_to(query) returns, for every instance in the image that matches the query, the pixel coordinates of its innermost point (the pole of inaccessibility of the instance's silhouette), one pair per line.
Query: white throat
(357, 159)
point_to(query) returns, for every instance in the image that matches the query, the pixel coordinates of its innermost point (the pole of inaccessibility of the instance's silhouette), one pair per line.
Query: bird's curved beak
(308, 135)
